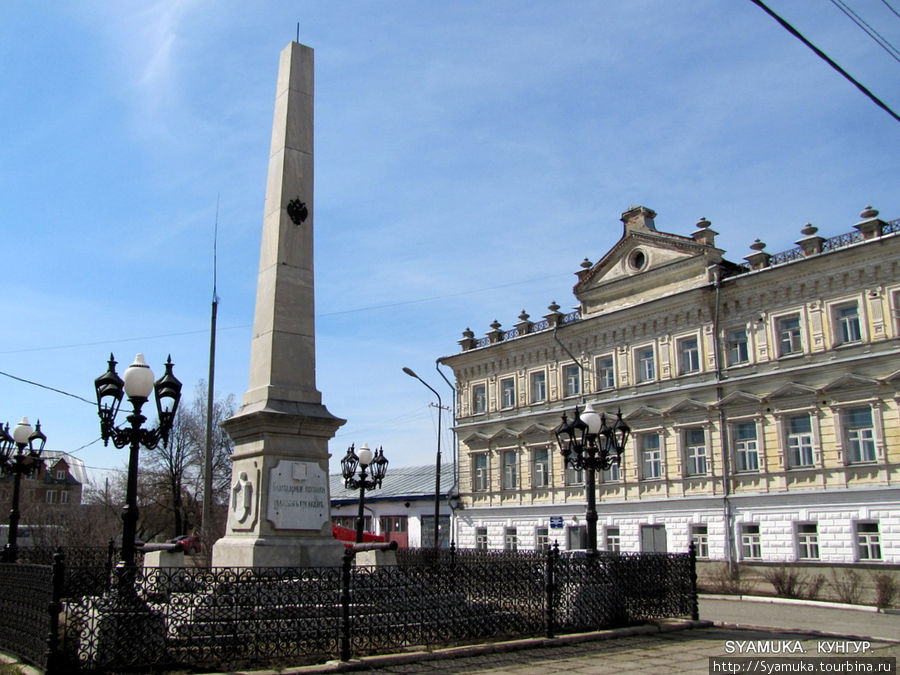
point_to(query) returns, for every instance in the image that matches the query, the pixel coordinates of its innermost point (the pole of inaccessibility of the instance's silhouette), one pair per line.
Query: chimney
(639, 218)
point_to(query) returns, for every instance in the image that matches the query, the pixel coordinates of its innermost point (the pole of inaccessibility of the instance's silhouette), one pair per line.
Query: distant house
(46, 496)
(402, 510)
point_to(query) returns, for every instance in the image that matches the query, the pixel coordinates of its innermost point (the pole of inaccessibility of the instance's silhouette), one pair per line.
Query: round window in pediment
(637, 260)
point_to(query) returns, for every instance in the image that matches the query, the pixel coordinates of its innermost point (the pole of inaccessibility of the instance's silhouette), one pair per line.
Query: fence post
(110, 555)
(54, 662)
(550, 588)
(345, 604)
(695, 605)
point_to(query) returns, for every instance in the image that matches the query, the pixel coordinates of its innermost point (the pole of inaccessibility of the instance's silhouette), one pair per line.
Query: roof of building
(402, 482)
(76, 466)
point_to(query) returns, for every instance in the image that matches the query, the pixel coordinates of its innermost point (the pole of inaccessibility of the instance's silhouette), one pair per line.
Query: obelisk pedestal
(279, 505)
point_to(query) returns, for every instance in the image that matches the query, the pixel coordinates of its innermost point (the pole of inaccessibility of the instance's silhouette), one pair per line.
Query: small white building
(402, 509)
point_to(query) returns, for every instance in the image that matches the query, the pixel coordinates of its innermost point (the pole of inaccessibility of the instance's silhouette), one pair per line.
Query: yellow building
(763, 400)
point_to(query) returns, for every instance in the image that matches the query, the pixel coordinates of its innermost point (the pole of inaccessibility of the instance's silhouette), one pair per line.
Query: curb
(380, 661)
(796, 601)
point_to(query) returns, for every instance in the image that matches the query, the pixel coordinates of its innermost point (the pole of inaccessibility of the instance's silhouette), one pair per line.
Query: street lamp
(19, 464)
(437, 464)
(588, 444)
(364, 460)
(137, 385)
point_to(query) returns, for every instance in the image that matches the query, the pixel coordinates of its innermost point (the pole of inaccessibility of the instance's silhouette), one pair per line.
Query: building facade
(402, 509)
(762, 397)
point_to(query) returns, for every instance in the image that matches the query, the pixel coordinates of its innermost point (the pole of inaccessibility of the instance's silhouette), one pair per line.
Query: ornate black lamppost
(364, 460)
(19, 463)
(588, 444)
(137, 385)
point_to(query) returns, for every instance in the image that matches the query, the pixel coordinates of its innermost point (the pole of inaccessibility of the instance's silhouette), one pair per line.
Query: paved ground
(743, 628)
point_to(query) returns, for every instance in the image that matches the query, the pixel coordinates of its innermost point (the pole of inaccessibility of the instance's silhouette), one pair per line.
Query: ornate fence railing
(74, 619)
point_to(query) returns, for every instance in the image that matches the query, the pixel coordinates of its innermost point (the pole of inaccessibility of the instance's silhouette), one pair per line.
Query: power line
(44, 386)
(825, 58)
(868, 30)
(887, 4)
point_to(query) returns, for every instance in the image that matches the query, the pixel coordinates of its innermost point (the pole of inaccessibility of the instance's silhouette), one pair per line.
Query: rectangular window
(576, 537)
(428, 532)
(613, 540)
(541, 475)
(51, 496)
(688, 356)
(60, 474)
(480, 472)
(807, 541)
(751, 543)
(646, 365)
(612, 474)
(479, 398)
(868, 541)
(510, 470)
(63, 496)
(572, 380)
(541, 539)
(860, 435)
(606, 374)
(481, 539)
(574, 476)
(789, 335)
(737, 347)
(651, 457)
(799, 441)
(510, 539)
(700, 540)
(538, 387)
(847, 323)
(695, 446)
(508, 393)
(746, 452)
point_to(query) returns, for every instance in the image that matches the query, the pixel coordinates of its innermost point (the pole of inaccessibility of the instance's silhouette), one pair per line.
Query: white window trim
(841, 444)
(487, 472)
(639, 450)
(518, 469)
(636, 363)
(831, 315)
(503, 380)
(678, 341)
(757, 420)
(549, 472)
(681, 436)
(563, 380)
(783, 429)
(797, 546)
(775, 336)
(612, 358)
(748, 334)
(474, 386)
(530, 384)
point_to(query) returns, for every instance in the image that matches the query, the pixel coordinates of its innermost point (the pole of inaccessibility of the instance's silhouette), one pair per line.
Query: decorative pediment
(536, 430)
(644, 413)
(645, 264)
(476, 438)
(687, 406)
(740, 398)
(849, 381)
(893, 378)
(791, 390)
(504, 434)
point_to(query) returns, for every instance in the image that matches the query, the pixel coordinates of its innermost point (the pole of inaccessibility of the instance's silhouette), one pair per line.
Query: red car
(190, 543)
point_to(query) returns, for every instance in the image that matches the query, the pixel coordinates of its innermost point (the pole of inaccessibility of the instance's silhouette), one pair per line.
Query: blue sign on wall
(556, 522)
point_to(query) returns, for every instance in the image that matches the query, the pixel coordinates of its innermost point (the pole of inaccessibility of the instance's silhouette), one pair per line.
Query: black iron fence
(69, 618)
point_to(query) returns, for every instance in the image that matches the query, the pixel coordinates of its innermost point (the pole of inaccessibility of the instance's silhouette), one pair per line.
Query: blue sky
(468, 156)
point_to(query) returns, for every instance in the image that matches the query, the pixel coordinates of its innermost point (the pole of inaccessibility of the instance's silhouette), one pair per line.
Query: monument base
(277, 552)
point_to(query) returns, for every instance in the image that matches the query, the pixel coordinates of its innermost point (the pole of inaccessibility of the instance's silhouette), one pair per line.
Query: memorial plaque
(298, 496)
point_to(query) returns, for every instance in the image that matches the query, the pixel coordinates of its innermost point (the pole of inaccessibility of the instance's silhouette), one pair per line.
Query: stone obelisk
(279, 504)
